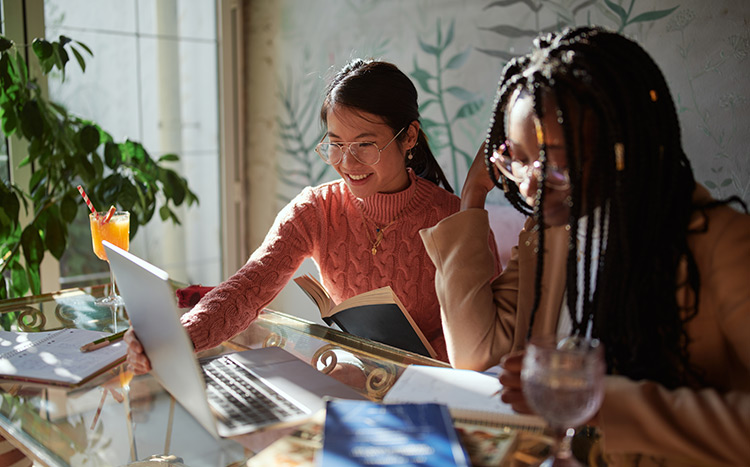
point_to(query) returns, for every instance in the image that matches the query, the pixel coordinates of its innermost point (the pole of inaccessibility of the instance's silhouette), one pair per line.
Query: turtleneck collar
(382, 208)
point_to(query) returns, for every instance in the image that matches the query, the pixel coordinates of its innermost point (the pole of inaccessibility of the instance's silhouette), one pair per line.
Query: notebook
(273, 388)
(470, 395)
(53, 357)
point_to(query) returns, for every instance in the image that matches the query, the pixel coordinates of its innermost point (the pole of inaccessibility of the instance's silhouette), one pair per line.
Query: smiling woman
(362, 230)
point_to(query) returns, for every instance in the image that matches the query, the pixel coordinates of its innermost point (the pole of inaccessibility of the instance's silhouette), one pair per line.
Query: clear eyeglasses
(517, 171)
(366, 152)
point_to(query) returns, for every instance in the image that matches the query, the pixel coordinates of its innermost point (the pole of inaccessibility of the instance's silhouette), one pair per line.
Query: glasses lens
(330, 153)
(515, 171)
(366, 153)
(557, 178)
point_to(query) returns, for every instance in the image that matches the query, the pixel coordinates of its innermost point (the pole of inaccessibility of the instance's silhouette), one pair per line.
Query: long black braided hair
(610, 94)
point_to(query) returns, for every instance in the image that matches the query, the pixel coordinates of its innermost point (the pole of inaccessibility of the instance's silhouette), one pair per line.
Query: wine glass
(116, 230)
(564, 383)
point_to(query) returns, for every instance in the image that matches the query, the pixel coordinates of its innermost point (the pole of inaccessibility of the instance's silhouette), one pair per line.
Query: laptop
(229, 395)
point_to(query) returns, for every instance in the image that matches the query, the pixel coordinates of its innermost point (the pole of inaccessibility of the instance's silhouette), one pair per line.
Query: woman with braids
(361, 230)
(622, 245)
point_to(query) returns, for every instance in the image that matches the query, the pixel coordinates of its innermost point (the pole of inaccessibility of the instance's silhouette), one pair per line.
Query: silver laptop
(228, 395)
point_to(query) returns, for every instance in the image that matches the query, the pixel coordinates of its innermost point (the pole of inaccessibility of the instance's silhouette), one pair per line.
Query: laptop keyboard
(241, 398)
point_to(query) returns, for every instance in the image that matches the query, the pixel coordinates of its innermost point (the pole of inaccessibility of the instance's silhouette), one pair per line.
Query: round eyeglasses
(365, 152)
(519, 172)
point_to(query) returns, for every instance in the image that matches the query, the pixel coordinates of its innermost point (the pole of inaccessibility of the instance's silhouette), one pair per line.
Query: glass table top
(103, 423)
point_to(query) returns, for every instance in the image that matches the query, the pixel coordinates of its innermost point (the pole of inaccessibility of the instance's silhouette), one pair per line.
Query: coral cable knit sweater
(326, 223)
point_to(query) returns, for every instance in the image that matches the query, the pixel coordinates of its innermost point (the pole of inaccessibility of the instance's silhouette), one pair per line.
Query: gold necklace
(380, 231)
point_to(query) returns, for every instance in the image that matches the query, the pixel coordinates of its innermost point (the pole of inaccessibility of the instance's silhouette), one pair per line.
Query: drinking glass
(117, 232)
(564, 383)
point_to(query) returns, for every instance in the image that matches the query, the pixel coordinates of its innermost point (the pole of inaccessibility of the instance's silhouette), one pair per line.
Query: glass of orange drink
(115, 230)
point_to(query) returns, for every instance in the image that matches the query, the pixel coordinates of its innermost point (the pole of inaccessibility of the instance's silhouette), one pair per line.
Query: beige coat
(485, 319)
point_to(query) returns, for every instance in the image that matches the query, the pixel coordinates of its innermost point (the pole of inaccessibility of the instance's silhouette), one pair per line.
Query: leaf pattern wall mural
(454, 52)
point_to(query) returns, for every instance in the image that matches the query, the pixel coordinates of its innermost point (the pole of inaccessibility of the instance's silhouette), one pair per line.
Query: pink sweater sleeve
(230, 307)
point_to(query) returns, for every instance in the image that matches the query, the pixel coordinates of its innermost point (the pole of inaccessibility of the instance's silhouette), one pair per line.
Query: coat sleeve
(709, 425)
(477, 323)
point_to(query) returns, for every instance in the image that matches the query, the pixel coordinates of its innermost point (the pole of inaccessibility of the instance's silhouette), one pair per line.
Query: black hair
(381, 89)
(610, 92)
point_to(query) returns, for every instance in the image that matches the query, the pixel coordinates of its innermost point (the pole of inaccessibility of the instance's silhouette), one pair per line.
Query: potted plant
(65, 151)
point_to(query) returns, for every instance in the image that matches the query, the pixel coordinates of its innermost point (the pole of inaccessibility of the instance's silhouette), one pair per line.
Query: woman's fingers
(510, 378)
(137, 360)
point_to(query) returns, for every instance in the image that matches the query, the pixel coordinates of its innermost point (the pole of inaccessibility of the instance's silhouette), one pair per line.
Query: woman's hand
(510, 378)
(477, 184)
(137, 360)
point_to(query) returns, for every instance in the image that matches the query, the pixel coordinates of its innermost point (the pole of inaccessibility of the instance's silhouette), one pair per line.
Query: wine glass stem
(564, 446)
(112, 294)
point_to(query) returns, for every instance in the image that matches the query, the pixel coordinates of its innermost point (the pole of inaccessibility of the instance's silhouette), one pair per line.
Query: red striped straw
(88, 202)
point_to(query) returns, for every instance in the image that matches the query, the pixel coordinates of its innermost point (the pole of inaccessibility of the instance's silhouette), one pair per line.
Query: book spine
(516, 422)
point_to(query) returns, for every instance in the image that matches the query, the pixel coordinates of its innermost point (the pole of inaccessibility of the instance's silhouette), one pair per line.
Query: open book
(470, 395)
(54, 357)
(377, 315)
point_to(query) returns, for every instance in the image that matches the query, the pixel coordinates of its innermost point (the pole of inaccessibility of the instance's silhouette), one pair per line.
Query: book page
(317, 293)
(55, 356)
(468, 394)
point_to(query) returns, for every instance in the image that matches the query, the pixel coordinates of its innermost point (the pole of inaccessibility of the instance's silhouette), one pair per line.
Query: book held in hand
(54, 357)
(367, 433)
(377, 315)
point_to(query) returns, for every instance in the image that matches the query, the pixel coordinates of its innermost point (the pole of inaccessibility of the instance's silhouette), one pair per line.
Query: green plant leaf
(112, 155)
(61, 57)
(512, 31)
(64, 39)
(164, 213)
(23, 70)
(68, 208)
(175, 187)
(469, 109)
(34, 278)
(710, 184)
(6, 70)
(54, 236)
(109, 189)
(19, 282)
(32, 124)
(652, 15)
(423, 77)
(726, 182)
(79, 58)
(461, 93)
(37, 179)
(424, 105)
(42, 48)
(128, 196)
(503, 3)
(88, 137)
(169, 158)
(33, 246)
(619, 11)
(428, 123)
(449, 36)
(5, 44)
(85, 47)
(9, 119)
(458, 60)
(9, 206)
(429, 49)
